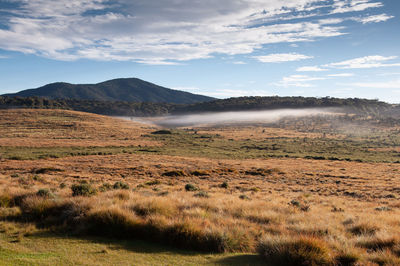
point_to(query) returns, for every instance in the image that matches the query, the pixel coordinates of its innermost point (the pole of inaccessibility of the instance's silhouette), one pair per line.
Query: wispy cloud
(279, 58)
(303, 81)
(373, 19)
(373, 61)
(341, 75)
(310, 69)
(169, 31)
(345, 6)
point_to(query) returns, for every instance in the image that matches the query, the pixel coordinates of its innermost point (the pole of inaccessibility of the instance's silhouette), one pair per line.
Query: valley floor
(70, 182)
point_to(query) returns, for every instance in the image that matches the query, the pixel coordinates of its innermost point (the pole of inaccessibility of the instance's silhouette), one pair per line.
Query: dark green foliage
(120, 185)
(224, 185)
(191, 187)
(105, 187)
(83, 189)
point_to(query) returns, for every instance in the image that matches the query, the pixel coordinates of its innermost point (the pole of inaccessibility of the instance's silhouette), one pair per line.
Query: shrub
(191, 187)
(302, 251)
(105, 187)
(83, 190)
(224, 185)
(120, 185)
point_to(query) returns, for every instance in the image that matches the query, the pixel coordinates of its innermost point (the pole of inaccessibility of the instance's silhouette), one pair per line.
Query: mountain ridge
(120, 89)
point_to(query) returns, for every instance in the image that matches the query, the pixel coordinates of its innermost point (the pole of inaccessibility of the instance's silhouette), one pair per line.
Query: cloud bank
(168, 31)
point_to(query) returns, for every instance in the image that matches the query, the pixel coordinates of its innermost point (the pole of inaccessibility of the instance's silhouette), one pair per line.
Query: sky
(219, 48)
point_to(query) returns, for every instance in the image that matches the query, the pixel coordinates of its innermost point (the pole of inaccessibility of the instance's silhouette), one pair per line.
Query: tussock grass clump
(302, 251)
(174, 173)
(202, 194)
(378, 243)
(191, 187)
(363, 229)
(45, 193)
(347, 259)
(200, 173)
(83, 189)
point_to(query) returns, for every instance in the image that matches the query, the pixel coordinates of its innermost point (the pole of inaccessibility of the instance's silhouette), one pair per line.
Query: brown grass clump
(379, 243)
(301, 251)
(363, 229)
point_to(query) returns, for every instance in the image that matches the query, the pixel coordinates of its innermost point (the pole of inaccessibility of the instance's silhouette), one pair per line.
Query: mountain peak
(120, 89)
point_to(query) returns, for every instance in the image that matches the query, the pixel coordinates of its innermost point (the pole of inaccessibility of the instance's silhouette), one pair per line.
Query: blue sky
(225, 48)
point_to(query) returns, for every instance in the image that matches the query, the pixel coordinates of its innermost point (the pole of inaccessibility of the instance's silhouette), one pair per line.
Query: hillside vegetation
(357, 106)
(128, 89)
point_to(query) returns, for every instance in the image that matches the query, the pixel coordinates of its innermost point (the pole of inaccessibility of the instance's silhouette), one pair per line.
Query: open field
(292, 193)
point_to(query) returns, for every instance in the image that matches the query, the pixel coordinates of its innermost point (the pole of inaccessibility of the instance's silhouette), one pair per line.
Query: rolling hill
(127, 89)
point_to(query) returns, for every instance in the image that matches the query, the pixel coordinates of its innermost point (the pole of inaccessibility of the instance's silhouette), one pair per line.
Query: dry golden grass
(316, 212)
(47, 128)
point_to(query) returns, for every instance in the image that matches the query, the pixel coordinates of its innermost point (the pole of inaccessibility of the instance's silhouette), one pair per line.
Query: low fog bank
(235, 117)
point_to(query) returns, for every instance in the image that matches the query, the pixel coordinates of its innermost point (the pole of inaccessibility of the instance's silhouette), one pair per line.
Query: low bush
(83, 189)
(191, 187)
(120, 185)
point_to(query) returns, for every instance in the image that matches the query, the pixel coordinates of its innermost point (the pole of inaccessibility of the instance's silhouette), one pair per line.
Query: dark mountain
(128, 89)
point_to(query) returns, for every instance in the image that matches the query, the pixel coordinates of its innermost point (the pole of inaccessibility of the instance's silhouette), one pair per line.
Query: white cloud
(239, 63)
(341, 75)
(298, 81)
(163, 32)
(279, 58)
(310, 69)
(373, 61)
(345, 6)
(373, 19)
(224, 93)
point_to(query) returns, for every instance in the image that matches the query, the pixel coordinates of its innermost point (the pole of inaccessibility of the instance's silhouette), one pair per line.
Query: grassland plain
(114, 192)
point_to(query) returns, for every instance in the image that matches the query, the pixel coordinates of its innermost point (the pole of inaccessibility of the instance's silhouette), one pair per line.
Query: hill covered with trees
(127, 89)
